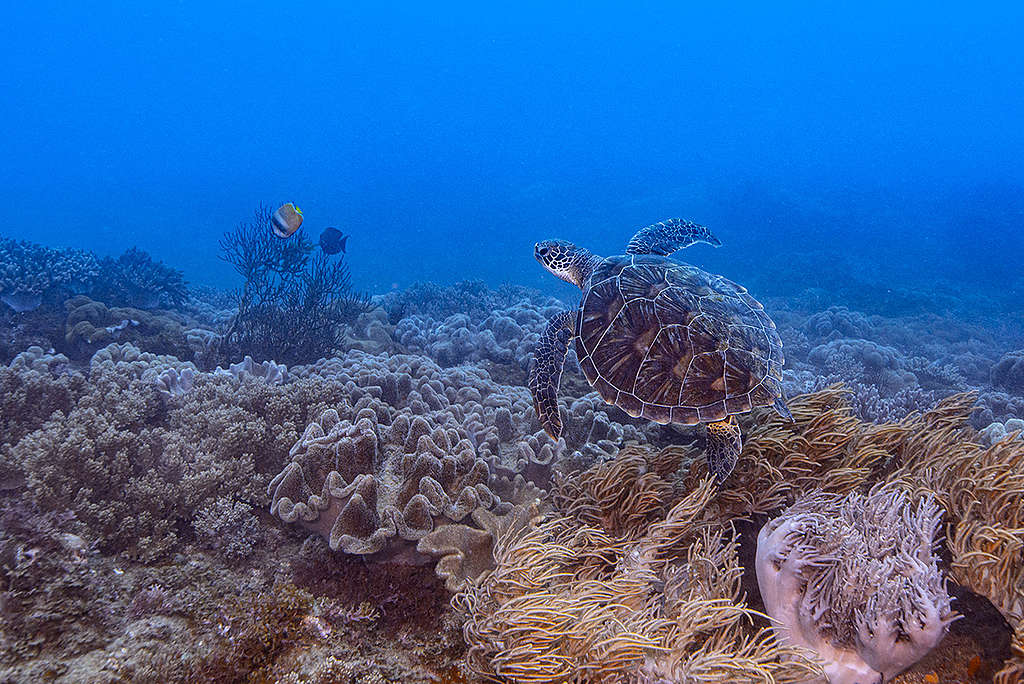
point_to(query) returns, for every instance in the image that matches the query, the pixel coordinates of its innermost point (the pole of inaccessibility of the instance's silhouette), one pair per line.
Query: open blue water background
(447, 137)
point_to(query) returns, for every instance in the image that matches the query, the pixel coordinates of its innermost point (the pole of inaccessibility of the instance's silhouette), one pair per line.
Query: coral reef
(980, 490)
(28, 272)
(996, 432)
(91, 325)
(270, 372)
(35, 385)
(1008, 372)
(294, 305)
(136, 545)
(136, 280)
(854, 579)
(137, 449)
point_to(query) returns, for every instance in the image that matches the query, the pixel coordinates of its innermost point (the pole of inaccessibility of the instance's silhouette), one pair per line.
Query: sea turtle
(661, 339)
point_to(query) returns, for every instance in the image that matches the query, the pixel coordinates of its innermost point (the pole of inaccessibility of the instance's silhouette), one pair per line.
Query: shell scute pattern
(671, 343)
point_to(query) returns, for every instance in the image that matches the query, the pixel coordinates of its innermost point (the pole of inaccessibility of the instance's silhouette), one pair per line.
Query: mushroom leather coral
(376, 480)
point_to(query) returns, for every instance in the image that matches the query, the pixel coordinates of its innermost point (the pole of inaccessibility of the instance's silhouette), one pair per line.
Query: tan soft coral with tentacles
(981, 490)
(620, 586)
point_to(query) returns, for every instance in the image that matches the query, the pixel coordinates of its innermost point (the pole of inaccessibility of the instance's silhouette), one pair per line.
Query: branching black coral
(295, 304)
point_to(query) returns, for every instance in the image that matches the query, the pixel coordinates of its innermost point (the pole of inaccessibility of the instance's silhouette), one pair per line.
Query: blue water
(448, 137)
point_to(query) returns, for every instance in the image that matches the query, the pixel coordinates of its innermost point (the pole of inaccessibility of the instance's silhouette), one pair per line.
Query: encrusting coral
(652, 603)
(854, 579)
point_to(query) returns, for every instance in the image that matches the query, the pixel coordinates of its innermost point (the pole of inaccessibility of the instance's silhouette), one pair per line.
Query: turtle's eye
(543, 251)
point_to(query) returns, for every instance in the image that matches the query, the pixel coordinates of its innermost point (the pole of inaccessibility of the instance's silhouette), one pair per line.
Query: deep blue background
(448, 138)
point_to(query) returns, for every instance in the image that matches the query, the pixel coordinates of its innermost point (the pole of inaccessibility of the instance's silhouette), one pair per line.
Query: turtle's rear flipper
(723, 447)
(546, 371)
(669, 236)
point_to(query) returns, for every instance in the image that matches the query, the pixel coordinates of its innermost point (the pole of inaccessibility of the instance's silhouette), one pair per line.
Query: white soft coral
(854, 578)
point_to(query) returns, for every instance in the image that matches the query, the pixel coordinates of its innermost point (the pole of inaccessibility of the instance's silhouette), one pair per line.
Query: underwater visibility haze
(550, 342)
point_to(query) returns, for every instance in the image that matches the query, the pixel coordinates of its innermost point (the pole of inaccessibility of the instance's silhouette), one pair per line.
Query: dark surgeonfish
(332, 241)
(286, 220)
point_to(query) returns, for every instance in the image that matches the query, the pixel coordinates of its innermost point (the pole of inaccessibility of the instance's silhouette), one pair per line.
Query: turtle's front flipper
(670, 236)
(723, 447)
(546, 371)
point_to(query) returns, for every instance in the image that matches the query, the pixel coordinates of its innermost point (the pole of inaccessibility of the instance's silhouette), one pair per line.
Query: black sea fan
(295, 304)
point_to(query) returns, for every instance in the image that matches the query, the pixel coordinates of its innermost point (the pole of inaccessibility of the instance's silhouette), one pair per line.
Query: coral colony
(293, 482)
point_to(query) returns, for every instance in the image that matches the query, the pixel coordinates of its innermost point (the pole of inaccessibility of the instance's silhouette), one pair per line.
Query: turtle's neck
(583, 264)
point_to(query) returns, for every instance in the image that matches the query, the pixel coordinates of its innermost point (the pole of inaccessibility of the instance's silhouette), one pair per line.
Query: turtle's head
(565, 260)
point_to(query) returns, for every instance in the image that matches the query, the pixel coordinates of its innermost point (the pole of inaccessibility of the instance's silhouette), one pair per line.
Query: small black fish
(332, 241)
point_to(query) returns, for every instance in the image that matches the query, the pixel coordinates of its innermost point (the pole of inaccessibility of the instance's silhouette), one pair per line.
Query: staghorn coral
(572, 602)
(854, 578)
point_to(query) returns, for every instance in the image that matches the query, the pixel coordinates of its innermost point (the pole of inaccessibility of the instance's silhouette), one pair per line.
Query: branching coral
(134, 279)
(572, 602)
(138, 449)
(854, 578)
(32, 387)
(29, 271)
(294, 305)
